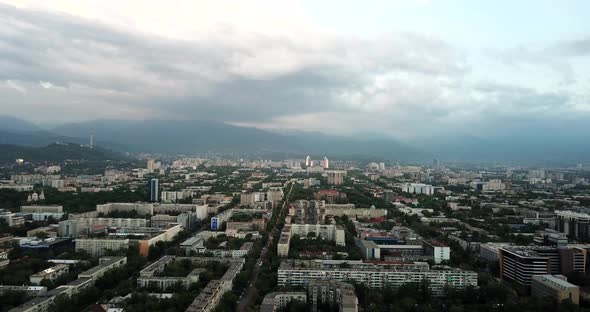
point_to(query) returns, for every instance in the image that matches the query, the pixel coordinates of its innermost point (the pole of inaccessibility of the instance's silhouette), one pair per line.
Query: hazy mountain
(56, 153)
(175, 137)
(161, 136)
(13, 124)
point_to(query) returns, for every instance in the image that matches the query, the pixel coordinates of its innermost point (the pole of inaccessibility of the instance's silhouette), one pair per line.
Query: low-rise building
(49, 274)
(276, 301)
(555, 286)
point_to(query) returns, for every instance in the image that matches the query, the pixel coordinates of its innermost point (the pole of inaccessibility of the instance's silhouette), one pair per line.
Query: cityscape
(310, 234)
(294, 156)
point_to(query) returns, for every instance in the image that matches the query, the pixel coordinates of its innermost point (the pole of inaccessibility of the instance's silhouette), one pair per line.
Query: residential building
(420, 188)
(49, 274)
(140, 208)
(98, 246)
(574, 224)
(335, 293)
(336, 177)
(302, 273)
(276, 301)
(328, 231)
(437, 250)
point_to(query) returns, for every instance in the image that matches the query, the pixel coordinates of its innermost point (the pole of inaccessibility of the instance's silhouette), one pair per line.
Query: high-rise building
(574, 224)
(151, 166)
(308, 161)
(336, 177)
(153, 191)
(326, 163)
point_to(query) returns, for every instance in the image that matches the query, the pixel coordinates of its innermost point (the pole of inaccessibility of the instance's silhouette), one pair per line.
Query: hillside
(56, 153)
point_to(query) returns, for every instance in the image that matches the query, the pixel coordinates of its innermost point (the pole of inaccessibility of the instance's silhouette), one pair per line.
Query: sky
(405, 69)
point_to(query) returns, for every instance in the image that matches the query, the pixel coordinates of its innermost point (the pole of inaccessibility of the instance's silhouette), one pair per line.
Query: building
(353, 213)
(303, 272)
(333, 292)
(326, 163)
(329, 196)
(153, 191)
(69, 228)
(44, 300)
(12, 219)
(150, 277)
(490, 252)
(209, 297)
(369, 249)
(44, 231)
(151, 166)
(574, 224)
(308, 161)
(32, 291)
(420, 188)
(42, 209)
(49, 274)
(437, 250)
(326, 231)
(489, 186)
(518, 264)
(44, 213)
(140, 208)
(336, 177)
(276, 301)
(98, 246)
(105, 264)
(555, 286)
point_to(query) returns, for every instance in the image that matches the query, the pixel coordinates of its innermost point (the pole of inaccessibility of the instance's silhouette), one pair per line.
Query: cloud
(13, 85)
(88, 60)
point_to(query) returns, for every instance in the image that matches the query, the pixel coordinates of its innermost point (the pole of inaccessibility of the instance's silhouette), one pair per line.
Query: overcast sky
(399, 68)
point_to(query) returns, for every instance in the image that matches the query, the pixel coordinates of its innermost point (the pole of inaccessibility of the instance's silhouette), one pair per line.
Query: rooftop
(554, 281)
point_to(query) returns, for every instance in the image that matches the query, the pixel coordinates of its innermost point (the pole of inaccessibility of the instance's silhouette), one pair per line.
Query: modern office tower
(308, 161)
(519, 264)
(573, 258)
(153, 191)
(574, 224)
(555, 286)
(326, 163)
(336, 177)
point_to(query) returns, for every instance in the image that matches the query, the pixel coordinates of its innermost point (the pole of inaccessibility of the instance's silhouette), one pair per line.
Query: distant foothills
(57, 152)
(197, 136)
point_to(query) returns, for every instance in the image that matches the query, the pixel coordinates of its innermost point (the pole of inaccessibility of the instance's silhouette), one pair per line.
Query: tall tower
(153, 190)
(326, 163)
(308, 161)
(91, 138)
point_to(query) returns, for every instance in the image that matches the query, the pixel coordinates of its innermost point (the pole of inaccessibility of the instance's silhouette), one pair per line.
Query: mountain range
(174, 137)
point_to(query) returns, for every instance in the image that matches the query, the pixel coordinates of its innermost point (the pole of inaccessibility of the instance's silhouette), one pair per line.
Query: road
(249, 297)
